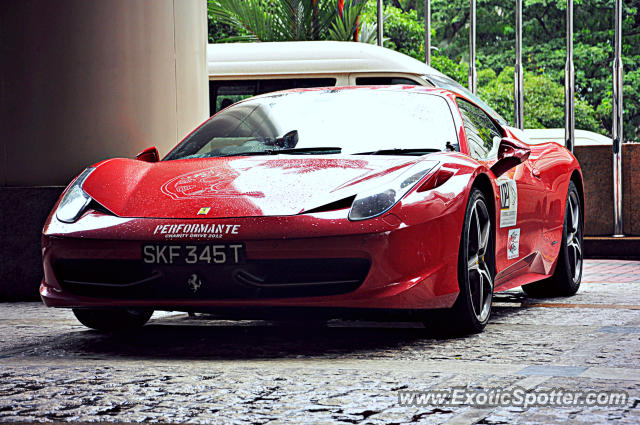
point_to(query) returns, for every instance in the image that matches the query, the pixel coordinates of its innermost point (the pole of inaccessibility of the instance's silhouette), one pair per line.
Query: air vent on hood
(96, 206)
(333, 206)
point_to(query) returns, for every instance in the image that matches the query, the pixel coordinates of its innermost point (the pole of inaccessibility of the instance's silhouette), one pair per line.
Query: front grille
(256, 279)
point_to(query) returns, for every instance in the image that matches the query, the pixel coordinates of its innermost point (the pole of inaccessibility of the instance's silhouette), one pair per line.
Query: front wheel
(116, 319)
(476, 266)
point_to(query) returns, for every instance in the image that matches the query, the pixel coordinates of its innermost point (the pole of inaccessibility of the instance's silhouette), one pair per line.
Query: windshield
(325, 121)
(449, 84)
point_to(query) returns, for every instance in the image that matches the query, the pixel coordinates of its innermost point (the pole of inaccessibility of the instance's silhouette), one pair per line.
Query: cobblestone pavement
(198, 370)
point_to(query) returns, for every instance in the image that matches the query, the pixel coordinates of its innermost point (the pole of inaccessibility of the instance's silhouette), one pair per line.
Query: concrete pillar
(87, 80)
(82, 81)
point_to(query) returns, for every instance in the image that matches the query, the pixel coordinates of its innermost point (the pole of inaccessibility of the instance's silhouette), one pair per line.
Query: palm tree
(286, 20)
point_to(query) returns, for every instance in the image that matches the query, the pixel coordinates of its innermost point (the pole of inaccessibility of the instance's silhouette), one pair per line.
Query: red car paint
(147, 192)
(413, 248)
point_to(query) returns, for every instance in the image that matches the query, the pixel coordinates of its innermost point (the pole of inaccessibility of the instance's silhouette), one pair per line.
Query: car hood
(237, 187)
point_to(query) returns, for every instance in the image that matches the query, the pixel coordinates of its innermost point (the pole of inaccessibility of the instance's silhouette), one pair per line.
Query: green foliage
(368, 32)
(285, 20)
(218, 31)
(456, 70)
(344, 27)
(544, 47)
(543, 97)
(403, 31)
(543, 52)
(543, 101)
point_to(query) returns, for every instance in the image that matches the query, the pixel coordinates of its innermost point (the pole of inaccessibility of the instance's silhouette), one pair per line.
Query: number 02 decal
(508, 203)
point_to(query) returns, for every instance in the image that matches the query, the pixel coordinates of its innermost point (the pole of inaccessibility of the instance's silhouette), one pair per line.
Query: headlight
(372, 203)
(75, 200)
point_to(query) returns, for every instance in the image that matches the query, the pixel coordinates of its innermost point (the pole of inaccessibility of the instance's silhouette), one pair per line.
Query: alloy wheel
(574, 240)
(479, 274)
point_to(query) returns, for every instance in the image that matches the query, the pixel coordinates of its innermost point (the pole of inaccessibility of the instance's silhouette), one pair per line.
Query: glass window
(383, 81)
(449, 84)
(356, 121)
(226, 93)
(482, 134)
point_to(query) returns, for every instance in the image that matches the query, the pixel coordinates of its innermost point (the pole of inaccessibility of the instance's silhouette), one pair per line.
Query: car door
(519, 221)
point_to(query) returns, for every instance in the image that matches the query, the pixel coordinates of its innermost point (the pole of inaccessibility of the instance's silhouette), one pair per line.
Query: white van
(241, 70)
(583, 137)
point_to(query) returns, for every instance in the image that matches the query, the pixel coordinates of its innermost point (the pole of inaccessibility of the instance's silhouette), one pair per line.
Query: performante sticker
(508, 203)
(513, 244)
(185, 230)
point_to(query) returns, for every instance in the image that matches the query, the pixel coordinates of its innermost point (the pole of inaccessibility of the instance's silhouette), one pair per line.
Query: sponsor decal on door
(513, 244)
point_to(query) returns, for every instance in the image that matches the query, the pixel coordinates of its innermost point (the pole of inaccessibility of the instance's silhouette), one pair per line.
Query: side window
(383, 81)
(226, 93)
(482, 134)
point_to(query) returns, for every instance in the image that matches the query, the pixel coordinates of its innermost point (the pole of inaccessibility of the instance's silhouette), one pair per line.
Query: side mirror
(511, 152)
(149, 155)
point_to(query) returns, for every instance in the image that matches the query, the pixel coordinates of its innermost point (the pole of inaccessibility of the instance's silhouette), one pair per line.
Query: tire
(567, 276)
(476, 269)
(112, 319)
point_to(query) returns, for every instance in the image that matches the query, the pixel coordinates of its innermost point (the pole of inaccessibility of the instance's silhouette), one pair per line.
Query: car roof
(308, 57)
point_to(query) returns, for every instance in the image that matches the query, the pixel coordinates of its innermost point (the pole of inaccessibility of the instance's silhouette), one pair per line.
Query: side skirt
(527, 270)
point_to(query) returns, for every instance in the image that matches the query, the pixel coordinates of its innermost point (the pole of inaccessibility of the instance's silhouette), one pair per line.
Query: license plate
(214, 254)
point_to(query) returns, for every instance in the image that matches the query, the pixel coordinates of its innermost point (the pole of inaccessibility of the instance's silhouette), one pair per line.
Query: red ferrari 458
(323, 201)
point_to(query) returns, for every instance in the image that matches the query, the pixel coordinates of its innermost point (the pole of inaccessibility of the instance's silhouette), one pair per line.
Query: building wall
(82, 81)
(597, 170)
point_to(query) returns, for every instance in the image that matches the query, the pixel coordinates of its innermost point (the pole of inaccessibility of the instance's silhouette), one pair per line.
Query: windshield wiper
(302, 151)
(307, 151)
(241, 154)
(398, 151)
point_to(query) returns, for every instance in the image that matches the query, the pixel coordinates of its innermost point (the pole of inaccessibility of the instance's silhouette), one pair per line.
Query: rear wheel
(476, 265)
(120, 319)
(567, 276)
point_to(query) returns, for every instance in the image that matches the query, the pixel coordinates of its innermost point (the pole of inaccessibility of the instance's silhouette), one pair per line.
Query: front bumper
(381, 263)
